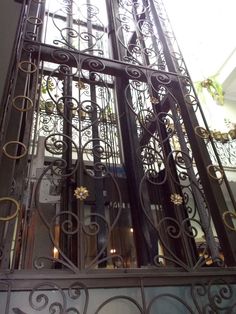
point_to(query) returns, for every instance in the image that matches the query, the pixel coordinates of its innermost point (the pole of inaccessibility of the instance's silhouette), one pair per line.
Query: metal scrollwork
(129, 300)
(191, 100)
(84, 40)
(50, 297)
(229, 215)
(39, 300)
(157, 128)
(169, 297)
(138, 36)
(160, 78)
(214, 296)
(226, 152)
(113, 180)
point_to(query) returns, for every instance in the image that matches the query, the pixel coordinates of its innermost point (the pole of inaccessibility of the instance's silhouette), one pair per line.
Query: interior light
(55, 252)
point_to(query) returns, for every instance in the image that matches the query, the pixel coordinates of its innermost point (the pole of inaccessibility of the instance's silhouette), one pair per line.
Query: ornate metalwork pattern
(226, 152)
(138, 36)
(79, 26)
(111, 174)
(214, 296)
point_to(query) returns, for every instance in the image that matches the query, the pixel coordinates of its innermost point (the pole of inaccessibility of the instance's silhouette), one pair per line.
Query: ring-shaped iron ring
(14, 157)
(10, 217)
(34, 20)
(23, 97)
(29, 63)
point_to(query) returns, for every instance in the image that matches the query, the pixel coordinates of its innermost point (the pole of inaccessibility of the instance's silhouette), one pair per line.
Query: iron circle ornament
(11, 156)
(34, 20)
(201, 132)
(22, 63)
(10, 217)
(231, 215)
(212, 171)
(191, 100)
(30, 106)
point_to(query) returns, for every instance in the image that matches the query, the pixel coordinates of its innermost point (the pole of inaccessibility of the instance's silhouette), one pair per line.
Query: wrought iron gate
(104, 159)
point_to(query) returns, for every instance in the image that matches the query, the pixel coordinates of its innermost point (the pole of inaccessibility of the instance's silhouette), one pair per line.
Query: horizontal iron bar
(27, 279)
(111, 67)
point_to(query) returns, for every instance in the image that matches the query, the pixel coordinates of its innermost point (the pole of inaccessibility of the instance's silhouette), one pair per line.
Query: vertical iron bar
(145, 236)
(211, 188)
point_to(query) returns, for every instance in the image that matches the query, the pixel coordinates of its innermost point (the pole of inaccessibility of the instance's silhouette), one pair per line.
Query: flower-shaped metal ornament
(80, 85)
(154, 100)
(176, 199)
(81, 193)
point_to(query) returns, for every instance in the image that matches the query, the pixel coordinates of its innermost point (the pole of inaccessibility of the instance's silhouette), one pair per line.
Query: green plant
(47, 85)
(49, 107)
(213, 87)
(108, 114)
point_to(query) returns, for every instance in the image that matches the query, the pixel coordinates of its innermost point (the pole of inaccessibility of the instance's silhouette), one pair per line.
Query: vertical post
(214, 196)
(144, 234)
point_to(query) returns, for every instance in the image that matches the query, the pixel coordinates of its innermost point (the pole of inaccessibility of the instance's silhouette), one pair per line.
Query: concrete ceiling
(204, 30)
